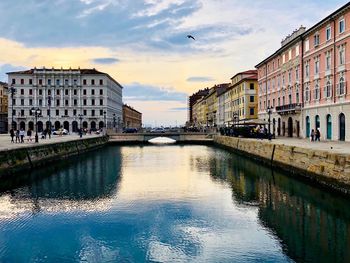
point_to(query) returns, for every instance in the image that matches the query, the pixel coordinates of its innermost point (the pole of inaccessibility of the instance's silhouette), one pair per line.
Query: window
(328, 89)
(40, 92)
(14, 112)
(30, 82)
(57, 82)
(14, 102)
(57, 112)
(65, 112)
(92, 92)
(328, 33)
(316, 40)
(84, 81)
(49, 92)
(307, 69)
(84, 102)
(342, 55)
(40, 82)
(48, 112)
(22, 81)
(307, 93)
(297, 50)
(92, 82)
(341, 26)
(297, 96)
(101, 82)
(84, 91)
(66, 82)
(40, 102)
(296, 73)
(75, 92)
(93, 102)
(13, 81)
(74, 112)
(30, 92)
(252, 111)
(328, 60)
(283, 58)
(101, 91)
(92, 112)
(101, 102)
(75, 102)
(22, 91)
(290, 54)
(57, 92)
(101, 112)
(251, 99)
(290, 76)
(307, 45)
(57, 102)
(22, 112)
(317, 66)
(75, 82)
(30, 102)
(66, 102)
(66, 92)
(22, 102)
(84, 112)
(49, 82)
(341, 86)
(317, 92)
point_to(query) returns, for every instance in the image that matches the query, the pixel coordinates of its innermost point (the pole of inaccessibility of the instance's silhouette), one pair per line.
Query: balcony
(289, 108)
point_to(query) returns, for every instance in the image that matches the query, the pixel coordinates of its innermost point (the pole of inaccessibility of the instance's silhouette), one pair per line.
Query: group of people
(315, 135)
(17, 136)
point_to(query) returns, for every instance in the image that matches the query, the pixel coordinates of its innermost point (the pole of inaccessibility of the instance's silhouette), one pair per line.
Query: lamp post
(80, 130)
(12, 90)
(49, 104)
(105, 124)
(118, 124)
(269, 111)
(36, 112)
(114, 121)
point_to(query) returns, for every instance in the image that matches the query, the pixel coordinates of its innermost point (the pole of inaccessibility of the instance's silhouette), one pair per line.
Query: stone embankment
(327, 168)
(20, 159)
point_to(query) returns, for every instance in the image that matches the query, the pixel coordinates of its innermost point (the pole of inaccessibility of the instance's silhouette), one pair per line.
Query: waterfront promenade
(5, 140)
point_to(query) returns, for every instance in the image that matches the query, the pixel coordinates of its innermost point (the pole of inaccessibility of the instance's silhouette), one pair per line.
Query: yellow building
(241, 101)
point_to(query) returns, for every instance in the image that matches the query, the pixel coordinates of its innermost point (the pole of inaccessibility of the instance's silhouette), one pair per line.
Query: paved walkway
(330, 146)
(5, 140)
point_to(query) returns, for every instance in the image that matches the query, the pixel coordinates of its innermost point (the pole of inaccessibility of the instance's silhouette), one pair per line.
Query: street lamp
(114, 120)
(104, 124)
(118, 124)
(12, 90)
(49, 104)
(80, 130)
(269, 111)
(36, 112)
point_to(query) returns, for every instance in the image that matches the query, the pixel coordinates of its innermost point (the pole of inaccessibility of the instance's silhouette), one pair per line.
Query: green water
(169, 204)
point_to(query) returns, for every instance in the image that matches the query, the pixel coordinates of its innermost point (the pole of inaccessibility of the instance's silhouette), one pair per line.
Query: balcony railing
(289, 108)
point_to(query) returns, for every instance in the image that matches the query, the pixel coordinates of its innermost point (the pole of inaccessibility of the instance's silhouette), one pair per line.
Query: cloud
(105, 60)
(140, 92)
(178, 109)
(4, 68)
(199, 79)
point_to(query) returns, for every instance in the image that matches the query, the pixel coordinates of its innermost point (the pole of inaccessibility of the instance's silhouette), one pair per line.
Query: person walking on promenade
(17, 136)
(49, 133)
(21, 134)
(312, 135)
(29, 134)
(12, 134)
(317, 134)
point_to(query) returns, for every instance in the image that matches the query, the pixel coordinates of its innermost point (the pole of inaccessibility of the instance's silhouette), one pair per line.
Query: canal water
(169, 204)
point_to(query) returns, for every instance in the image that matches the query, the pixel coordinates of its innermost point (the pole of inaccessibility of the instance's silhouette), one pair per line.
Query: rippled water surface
(169, 204)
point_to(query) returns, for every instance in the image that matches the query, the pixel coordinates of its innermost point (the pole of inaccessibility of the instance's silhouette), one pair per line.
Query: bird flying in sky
(190, 36)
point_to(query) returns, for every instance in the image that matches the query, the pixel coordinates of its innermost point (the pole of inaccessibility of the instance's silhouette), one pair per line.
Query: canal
(174, 203)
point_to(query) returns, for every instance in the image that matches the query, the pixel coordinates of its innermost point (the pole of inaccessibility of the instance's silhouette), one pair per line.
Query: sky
(143, 43)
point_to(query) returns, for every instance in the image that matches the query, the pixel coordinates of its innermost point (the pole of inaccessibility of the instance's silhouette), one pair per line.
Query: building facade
(303, 85)
(67, 98)
(3, 107)
(192, 100)
(241, 98)
(131, 117)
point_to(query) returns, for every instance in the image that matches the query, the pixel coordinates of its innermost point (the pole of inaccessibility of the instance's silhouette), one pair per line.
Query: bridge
(181, 137)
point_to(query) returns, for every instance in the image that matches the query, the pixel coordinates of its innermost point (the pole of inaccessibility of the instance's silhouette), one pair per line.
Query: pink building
(305, 81)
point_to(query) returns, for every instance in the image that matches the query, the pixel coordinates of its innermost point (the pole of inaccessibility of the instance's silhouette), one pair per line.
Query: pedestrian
(17, 136)
(29, 134)
(12, 134)
(317, 134)
(49, 133)
(21, 134)
(312, 135)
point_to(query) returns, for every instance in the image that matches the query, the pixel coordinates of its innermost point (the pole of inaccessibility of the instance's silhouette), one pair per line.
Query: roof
(85, 71)
(247, 72)
(301, 37)
(3, 84)
(131, 108)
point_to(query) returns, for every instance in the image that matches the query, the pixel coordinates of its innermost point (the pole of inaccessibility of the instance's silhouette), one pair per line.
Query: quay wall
(326, 168)
(26, 158)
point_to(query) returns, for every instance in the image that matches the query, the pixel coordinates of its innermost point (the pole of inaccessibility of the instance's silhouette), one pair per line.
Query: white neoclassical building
(67, 98)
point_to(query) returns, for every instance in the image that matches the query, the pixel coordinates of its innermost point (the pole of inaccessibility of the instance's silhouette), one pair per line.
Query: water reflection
(170, 204)
(312, 224)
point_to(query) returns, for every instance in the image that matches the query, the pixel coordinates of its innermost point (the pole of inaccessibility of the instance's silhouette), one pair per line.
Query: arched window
(317, 92)
(341, 127)
(329, 127)
(307, 94)
(317, 122)
(341, 89)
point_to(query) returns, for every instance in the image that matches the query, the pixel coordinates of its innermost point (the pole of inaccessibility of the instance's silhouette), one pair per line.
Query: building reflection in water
(311, 224)
(82, 183)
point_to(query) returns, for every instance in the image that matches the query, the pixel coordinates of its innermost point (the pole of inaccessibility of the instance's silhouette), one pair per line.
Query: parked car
(60, 131)
(158, 130)
(130, 130)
